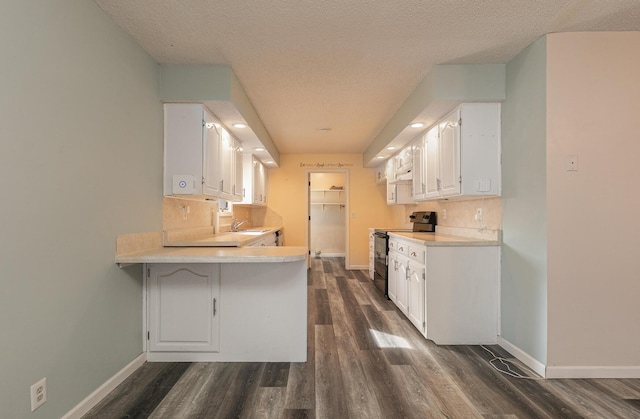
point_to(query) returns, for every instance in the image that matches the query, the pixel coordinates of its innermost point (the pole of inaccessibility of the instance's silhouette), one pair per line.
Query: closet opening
(328, 224)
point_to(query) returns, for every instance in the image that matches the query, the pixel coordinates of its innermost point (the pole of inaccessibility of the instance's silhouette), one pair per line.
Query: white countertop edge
(268, 254)
(435, 239)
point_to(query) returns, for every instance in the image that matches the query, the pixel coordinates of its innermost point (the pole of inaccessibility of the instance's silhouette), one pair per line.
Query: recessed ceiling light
(239, 125)
(258, 148)
(268, 162)
(417, 125)
(379, 157)
(391, 147)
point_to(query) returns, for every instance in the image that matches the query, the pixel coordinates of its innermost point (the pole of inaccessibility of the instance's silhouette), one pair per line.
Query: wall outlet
(38, 394)
(478, 216)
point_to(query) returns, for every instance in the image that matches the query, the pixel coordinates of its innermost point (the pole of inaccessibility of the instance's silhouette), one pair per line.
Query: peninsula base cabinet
(449, 293)
(183, 305)
(228, 312)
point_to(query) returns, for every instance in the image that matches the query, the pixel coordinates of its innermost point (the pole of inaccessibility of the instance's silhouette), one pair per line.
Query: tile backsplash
(461, 213)
(180, 213)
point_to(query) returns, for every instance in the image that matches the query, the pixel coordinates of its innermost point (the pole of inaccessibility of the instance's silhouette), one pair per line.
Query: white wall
(524, 219)
(593, 103)
(80, 163)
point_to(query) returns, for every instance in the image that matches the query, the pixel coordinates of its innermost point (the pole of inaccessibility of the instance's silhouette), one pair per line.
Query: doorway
(328, 209)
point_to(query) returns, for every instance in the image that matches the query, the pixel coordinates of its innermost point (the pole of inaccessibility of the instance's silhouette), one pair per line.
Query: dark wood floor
(365, 360)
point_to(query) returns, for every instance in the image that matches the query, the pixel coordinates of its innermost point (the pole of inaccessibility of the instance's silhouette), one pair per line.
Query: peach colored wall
(593, 104)
(287, 189)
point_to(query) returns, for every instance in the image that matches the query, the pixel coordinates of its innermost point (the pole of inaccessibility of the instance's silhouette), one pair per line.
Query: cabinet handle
(222, 184)
(401, 249)
(243, 192)
(413, 254)
(214, 307)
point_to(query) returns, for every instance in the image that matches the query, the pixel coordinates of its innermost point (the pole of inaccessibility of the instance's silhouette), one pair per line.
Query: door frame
(346, 212)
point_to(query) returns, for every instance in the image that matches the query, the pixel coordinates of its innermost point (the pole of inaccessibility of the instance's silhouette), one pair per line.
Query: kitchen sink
(253, 232)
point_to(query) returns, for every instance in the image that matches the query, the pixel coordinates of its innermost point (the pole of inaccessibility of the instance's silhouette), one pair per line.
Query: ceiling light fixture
(239, 125)
(268, 162)
(391, 147)
(379, 157)
(258, 148)
(417, 125)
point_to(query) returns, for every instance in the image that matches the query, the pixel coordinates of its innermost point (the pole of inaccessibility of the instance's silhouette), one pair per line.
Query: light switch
(572, 163)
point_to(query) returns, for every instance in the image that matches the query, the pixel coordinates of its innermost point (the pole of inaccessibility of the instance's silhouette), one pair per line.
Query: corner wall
(593, 102)
(81, 162)
(524, 209)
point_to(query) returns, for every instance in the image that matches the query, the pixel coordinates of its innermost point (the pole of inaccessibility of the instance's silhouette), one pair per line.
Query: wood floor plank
(356, 318)
(275, 374)
(323, 311)
(361, 399)
(326, 266)
(421, 401)
(361, 276)
(330, 400)
(141, 393)
(268, 404)
(451, 400)
(240, 396)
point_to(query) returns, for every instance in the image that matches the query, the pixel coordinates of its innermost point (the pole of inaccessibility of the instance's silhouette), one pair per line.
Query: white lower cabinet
(449, 293)
(184, 303)
(416, 294)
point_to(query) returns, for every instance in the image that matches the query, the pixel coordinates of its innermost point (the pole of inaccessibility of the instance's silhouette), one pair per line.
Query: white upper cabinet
(462, 153)
(230, 168)
(200, 156)
(419, 185)
(254, 181)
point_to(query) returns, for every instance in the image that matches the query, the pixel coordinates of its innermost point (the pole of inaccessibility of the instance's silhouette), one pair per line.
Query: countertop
(436, 239)
(266, 254)
(227, 239)
(133, 248)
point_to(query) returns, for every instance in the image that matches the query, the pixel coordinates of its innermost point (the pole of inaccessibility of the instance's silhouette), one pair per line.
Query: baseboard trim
(94, 398)
(537, 366)
(358, 267)
(593, 372)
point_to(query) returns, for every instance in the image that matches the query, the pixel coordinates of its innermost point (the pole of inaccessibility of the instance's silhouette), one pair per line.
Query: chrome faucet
(236, 224)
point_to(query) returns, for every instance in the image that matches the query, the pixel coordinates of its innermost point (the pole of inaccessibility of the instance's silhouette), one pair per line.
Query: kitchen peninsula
(230, 304)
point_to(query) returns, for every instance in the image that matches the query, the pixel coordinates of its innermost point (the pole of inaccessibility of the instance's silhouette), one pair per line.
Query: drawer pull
(413, 254)
(401, 249)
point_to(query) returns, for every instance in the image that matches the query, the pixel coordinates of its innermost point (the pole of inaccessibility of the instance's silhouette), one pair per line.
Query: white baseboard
(593, 372)
(329, 255)
(94, 398)
(358, 267)
(537, 366)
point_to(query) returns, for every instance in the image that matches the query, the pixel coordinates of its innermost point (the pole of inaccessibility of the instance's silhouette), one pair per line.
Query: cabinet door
(432, 166)
(401, 284)
(183, 308)
(259, 183)
(416, 295)
(211, 155)
(237, 172)
(227, 157)
(419, 186)
(449, 146)
(392, 277)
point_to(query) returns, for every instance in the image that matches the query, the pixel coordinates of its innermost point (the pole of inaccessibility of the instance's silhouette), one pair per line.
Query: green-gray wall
(80, 163)
(524, 221)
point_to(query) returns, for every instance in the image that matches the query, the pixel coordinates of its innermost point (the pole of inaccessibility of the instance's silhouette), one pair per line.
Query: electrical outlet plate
(478, 216)
(38, 394)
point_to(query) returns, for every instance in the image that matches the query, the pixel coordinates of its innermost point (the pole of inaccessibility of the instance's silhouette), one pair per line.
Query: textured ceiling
(347, 65)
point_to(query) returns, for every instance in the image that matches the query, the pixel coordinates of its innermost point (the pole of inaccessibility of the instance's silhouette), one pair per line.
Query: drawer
(401, 247)
(416, 253)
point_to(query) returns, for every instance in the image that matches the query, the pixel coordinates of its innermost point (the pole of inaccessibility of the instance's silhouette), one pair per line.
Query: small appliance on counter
(424, 221)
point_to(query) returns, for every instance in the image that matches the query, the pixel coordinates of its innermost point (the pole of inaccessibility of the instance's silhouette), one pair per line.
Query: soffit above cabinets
(218, 89)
